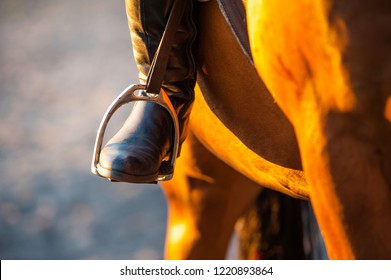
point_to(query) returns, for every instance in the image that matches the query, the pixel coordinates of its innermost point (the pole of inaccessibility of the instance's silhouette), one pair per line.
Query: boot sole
(118, 176)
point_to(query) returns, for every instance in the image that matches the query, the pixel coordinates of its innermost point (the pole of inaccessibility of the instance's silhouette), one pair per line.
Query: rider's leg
(137, 150)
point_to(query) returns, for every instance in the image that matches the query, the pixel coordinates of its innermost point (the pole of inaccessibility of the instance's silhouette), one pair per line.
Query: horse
(240, 145)
(328, 66)
(312, 122)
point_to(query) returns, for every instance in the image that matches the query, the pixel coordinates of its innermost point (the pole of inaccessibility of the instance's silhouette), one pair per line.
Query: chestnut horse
(240, 142)
(328, 65)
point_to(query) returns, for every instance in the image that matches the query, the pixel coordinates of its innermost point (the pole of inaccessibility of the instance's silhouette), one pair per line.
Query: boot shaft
(147, 20)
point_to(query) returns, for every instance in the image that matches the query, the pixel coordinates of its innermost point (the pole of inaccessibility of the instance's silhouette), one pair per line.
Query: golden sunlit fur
(328, 65)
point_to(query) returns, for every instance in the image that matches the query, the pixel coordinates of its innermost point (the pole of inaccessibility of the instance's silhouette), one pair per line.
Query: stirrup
(129, 95)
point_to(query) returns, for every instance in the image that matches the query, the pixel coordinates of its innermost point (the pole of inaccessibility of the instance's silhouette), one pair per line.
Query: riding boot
(135, 154)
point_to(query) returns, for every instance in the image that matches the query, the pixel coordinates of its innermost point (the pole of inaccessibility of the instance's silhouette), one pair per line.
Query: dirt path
(61, 64)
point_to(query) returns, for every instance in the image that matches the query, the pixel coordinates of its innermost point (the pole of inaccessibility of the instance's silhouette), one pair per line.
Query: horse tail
(280, 227)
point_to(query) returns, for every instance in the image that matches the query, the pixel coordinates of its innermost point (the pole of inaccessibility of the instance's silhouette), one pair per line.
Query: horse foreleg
(205, 199)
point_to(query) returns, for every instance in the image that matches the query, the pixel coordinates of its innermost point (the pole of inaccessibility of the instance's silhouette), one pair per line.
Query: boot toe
(134, 162)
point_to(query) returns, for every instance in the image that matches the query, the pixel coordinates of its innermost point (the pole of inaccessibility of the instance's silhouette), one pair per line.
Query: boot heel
(166, 169)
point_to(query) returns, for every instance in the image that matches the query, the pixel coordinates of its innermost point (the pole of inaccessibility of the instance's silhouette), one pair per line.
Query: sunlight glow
(387, 109)
(177, 232)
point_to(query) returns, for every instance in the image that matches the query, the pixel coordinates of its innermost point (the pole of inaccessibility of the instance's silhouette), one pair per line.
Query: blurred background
(61, 65)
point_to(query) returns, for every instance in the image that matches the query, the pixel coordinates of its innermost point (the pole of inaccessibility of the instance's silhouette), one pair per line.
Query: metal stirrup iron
(151, 92)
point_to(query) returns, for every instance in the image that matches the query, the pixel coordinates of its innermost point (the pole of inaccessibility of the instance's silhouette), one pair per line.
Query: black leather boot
(135, 154)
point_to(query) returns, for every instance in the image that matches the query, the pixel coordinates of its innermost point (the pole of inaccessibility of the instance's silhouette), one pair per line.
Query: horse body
(328, 65)
(250, 144)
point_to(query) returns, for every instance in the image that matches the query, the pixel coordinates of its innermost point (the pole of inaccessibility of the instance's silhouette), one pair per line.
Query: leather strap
(235, 15)
(160, 59)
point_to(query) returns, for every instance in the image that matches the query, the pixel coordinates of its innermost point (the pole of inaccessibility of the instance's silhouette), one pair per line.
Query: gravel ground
(61, 64)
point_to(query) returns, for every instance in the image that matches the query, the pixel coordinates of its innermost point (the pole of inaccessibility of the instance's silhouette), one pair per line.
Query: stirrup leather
(129, 95)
